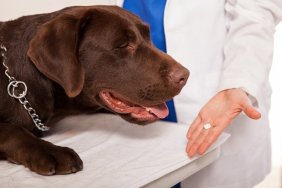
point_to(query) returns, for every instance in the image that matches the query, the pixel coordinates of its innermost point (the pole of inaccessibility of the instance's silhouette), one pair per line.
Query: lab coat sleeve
(248, 47)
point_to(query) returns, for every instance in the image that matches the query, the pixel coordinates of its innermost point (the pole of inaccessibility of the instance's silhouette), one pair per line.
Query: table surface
(116, 154)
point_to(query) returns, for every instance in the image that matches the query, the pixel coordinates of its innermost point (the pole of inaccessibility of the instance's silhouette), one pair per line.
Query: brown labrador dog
(77, 60)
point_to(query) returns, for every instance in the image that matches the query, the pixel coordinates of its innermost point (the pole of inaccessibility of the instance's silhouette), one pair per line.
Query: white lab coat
(226, 44)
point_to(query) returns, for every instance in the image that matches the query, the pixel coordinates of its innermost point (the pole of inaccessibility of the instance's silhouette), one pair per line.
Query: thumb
(251, 111)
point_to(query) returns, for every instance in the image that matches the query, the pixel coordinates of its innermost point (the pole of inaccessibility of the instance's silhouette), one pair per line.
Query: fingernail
(189, 145)
(202, 150)
(192, 151)
(189, 137)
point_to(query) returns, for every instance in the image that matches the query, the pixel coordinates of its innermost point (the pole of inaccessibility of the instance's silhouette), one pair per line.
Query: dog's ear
(54, 51)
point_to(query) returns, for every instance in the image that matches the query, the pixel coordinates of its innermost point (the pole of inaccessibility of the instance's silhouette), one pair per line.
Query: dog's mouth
(120, 105)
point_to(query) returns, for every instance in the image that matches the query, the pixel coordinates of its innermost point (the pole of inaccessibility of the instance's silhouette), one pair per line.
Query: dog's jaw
(140, 113)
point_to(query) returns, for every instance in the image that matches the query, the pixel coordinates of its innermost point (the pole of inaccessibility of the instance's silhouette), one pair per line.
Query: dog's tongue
(161, 110)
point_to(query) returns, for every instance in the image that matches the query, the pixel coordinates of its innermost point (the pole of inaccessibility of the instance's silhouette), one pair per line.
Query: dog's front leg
(19, 146)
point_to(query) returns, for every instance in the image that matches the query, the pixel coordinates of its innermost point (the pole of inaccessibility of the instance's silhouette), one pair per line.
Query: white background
(276, 104)
(15, 8)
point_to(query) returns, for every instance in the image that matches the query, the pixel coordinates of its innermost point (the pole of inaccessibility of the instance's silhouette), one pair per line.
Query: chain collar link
(18, 90)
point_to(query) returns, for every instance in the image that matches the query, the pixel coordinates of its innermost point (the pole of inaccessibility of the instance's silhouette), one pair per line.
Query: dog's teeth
(148, 110)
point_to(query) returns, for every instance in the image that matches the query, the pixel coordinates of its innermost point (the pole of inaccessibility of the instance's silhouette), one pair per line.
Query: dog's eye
(124, 45)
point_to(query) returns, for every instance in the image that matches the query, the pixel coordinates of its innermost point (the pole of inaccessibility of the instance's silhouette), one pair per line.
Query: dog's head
(106, 53)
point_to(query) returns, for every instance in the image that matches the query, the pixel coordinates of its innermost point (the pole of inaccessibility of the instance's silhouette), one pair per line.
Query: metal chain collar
(18, 90)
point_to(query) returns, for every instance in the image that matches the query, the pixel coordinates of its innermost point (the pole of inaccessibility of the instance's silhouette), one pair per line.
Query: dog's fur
(79, 60)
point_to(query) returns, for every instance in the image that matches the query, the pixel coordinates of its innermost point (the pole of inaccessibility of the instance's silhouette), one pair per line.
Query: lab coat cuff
(252, 91)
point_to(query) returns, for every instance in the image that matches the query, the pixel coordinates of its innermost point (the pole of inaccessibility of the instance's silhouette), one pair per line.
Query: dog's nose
(179, 77)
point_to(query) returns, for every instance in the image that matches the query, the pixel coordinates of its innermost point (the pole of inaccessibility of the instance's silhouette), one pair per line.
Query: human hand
(219, 113)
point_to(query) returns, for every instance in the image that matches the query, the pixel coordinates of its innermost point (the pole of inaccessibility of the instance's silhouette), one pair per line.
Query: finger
(193, 126)
(251, 111)
(192, 147)
(195, 142)
(189, 145)
(197, 138)
(212, 136)
(195, 135)
(209, 140)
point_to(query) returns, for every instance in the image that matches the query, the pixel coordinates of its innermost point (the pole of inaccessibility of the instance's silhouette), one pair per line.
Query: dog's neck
(58, 103)
(18, 90)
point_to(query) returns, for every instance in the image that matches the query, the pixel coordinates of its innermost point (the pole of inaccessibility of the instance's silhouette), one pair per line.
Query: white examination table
(116, 154)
